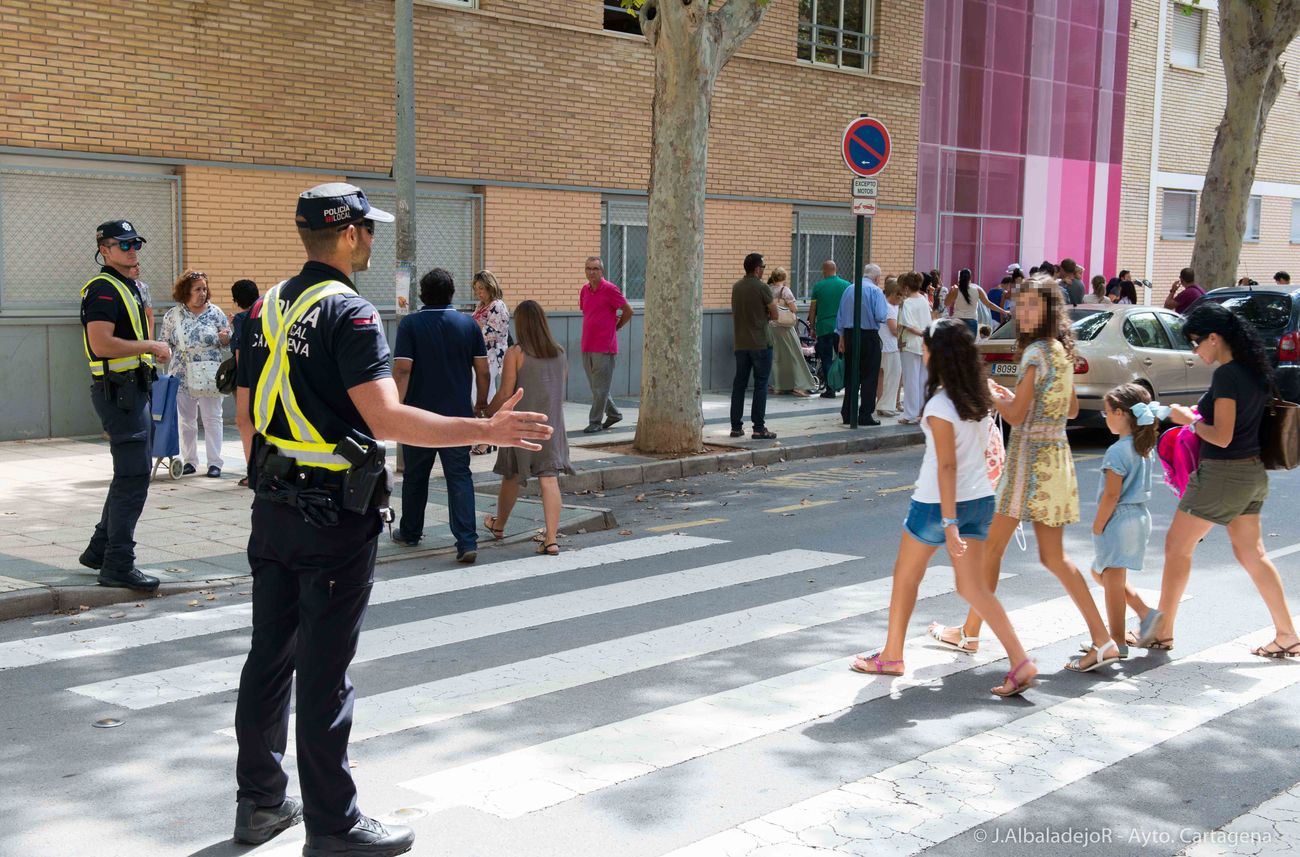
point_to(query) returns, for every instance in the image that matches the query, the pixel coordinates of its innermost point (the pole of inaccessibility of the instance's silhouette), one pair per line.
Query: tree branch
(732, 23)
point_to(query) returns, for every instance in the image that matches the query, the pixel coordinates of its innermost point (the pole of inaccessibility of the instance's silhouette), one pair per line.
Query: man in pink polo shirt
(604, 312)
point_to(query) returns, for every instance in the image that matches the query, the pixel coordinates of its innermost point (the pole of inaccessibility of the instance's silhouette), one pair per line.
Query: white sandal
(1074, 665)
(962, 645)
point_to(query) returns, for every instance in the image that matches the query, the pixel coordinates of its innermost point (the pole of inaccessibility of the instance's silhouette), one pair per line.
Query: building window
(1179, 219)
(1254, 210)
(621, 20)
(1295, 221)
(463, 4)
(448, 235)
(47, 232)
(1188, 31)
(818, 237)
(623, 236)
(836, 32)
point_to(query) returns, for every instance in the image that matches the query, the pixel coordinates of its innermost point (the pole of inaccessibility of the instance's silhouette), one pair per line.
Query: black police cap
(336, 204)
(117, 230)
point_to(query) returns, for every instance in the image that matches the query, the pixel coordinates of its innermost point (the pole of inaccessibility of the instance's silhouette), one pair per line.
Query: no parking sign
(866, 146)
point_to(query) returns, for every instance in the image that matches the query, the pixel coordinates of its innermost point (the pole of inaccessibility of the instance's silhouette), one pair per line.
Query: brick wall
(516, 90)
(536, 242)
(732, 231)
(229, 240)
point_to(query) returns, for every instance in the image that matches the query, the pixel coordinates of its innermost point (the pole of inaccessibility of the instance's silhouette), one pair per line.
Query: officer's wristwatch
(949, 522)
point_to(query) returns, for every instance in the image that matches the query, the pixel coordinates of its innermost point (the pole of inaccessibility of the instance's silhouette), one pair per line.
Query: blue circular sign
(866, 146)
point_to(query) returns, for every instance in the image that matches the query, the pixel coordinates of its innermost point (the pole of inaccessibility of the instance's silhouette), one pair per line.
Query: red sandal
(877, 666)
(1016, 687)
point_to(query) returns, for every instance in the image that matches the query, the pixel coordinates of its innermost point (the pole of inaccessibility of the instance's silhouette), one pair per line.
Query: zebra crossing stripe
(917, 804)
(436, 701)
(146, 690)
(163, 629)
(532, 778)
(1271, 828)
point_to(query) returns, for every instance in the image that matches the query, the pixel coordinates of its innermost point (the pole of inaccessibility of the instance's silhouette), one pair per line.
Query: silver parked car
(1116, 344)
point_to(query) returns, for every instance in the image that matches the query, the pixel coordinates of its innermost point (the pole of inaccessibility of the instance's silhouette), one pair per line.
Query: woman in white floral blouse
(494, 318)
(199, 335)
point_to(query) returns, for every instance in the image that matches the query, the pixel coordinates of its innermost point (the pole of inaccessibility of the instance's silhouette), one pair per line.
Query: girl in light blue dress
(1123, 525)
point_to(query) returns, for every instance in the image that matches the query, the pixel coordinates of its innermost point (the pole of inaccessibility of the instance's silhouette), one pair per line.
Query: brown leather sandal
(546, 549)
(498, 533)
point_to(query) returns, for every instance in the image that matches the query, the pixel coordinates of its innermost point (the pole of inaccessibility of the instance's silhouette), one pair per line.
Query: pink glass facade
(1021, 143)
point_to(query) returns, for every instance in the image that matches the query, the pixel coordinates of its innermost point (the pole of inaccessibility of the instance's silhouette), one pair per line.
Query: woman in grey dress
(537, 365)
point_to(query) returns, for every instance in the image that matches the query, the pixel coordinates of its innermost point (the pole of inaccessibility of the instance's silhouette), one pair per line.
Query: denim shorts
(925, 520)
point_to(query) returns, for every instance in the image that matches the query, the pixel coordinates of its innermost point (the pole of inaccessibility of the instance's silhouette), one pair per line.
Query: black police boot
(367, 838)
(133, 579)
(89, 560)
(257, 824)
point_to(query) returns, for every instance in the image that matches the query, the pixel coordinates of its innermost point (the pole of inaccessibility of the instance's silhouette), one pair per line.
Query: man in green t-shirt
(826, 297)
(752, 307)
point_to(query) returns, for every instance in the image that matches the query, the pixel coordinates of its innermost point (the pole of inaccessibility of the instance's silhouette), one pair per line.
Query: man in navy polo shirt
(437, 350)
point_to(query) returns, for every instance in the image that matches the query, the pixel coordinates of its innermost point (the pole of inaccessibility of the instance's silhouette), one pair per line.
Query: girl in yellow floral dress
(1038, 482)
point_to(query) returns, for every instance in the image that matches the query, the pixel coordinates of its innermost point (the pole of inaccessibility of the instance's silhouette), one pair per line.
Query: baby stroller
(808, 347)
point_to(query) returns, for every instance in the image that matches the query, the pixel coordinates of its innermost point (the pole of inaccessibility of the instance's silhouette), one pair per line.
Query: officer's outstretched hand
(509, 427)
(161, 350)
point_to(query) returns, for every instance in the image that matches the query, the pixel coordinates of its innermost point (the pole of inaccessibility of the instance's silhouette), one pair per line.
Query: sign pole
(866, 148)
(855, 351)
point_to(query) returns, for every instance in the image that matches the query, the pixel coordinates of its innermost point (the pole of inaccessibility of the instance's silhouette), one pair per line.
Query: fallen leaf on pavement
(625, 532)
(805, 502)
(640, 498)
(83, 608)
(193, 604)
(118, 615)
(212, 598)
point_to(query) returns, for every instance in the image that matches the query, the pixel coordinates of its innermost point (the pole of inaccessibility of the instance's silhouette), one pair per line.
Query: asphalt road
(679, 685)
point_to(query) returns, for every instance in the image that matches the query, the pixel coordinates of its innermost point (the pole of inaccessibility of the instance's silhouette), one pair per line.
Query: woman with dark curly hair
(953, 503)
(1231, 484)
(1038, 482)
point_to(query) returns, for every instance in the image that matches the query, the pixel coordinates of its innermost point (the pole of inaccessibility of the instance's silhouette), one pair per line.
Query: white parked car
(1114, 345)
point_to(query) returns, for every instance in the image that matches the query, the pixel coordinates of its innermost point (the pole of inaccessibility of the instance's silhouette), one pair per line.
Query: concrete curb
(653, 470)
(47, 600)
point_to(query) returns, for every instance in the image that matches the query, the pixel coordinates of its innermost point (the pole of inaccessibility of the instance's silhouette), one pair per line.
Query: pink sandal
(878, 666)
(1017, 688)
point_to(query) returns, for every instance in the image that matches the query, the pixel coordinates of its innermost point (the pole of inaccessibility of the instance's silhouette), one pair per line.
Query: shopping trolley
(166, 439)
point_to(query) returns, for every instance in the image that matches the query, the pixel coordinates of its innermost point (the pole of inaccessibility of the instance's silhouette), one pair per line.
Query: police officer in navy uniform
(315, 377)
(120, 348)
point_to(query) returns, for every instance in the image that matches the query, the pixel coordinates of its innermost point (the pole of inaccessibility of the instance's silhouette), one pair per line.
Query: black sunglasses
(366, 224)
(125, 246)
(198, 275)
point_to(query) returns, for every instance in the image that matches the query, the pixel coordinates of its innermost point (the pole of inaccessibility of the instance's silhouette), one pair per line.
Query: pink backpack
(1179, 451)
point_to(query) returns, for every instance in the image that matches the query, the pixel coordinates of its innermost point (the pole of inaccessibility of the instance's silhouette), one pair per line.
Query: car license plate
(1005, 368)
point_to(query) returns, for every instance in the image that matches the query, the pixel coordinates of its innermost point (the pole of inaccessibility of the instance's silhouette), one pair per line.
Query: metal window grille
(448, 235)
(1179, 217)
(1188, 29)
(47, 231)
(837, 32)
(1254, 214)
(818, 237)
(623, 237)
(620, 20)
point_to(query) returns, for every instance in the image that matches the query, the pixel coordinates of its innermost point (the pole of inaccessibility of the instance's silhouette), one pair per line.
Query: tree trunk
(1253, 35)
(691, 45)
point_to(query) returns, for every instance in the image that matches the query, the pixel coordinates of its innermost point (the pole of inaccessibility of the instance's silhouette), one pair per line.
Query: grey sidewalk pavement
(194, 530)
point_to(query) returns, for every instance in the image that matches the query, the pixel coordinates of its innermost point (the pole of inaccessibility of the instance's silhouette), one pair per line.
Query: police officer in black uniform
(315, 376)
(121, 350)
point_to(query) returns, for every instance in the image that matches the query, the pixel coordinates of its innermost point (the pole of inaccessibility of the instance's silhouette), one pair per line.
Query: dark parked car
(1275, 312)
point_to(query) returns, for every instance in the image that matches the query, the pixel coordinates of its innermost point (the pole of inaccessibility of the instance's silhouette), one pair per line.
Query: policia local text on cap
(120, 350)
(314, 374)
